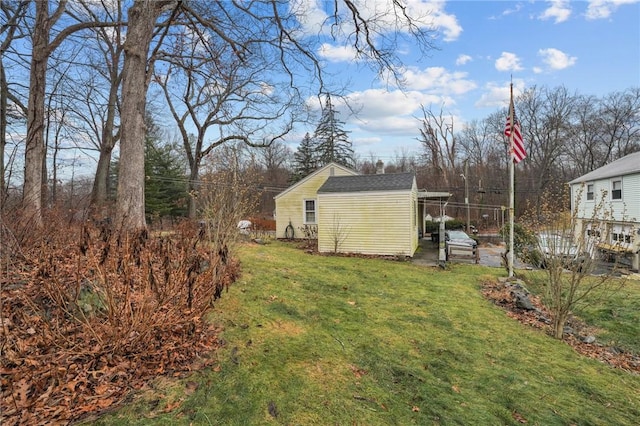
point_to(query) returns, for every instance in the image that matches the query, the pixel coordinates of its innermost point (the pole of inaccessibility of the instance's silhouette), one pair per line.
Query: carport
(430, 201)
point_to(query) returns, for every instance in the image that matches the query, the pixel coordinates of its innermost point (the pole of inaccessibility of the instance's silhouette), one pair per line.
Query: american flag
(518, 153)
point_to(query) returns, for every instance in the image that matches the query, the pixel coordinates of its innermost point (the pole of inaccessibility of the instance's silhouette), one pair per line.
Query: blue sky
(589, 47)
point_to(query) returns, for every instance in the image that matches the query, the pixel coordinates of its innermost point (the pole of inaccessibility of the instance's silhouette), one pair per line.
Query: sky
(589, 47)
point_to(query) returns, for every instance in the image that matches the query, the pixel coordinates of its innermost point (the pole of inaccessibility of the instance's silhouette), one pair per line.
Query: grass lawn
(315, 340)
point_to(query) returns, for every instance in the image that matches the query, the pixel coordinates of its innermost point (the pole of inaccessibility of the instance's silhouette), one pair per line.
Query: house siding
(625, 210)
(376, 223)
(624, 214)
(290, 203)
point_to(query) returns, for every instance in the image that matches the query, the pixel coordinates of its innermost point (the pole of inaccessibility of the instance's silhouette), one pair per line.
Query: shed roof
(626, 165)
(363, 183)
(312, 175)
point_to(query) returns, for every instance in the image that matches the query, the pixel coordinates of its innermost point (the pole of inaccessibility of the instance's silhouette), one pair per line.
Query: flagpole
(511, 184)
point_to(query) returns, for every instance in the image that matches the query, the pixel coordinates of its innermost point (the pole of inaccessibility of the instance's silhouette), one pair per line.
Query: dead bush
(88, 315)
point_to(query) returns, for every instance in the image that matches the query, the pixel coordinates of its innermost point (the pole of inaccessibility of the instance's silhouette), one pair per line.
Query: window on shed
(590, 191)
(309, 211)
(616, 190)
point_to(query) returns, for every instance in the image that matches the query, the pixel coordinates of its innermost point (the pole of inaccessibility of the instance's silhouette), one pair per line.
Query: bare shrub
(90, 315)
(568, 255)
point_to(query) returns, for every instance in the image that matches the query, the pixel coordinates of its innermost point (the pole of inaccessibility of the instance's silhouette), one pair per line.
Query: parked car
(459, 238)
(554, 246)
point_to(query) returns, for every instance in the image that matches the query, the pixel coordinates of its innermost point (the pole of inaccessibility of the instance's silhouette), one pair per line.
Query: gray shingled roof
(626, 165)
(361, 183)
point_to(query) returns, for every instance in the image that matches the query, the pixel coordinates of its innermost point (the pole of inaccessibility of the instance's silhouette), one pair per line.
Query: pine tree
(165, 186)
(332, 143)
(304, 159)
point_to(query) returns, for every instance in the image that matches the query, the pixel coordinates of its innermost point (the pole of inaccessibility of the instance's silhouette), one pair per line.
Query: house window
(620, 238)
(309, 211)
(616, 190)
(590, 191)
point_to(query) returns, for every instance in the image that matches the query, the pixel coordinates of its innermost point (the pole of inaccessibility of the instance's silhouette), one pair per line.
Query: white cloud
(437, 80)
(556, 59)
(496, 95)
(310, 15)
(602, 9)
(441, 20)
(559, 10)
(376, 104)
(516, 9)
(337, 53)
(384, 16)
(508, 62)
(384, 112)
(463, 59)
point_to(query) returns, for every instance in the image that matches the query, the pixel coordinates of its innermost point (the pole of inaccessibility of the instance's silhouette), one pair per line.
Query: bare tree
(545, 117)
(207, 87)
(101, 104)
(273, 26)
(440, 146)
(587, 151)
(480, 143)
(620, 118)
(12, 13)
(41, 49)
(568, 254)
(143, 16)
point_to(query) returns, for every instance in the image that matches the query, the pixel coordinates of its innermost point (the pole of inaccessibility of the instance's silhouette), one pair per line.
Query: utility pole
(466, 192)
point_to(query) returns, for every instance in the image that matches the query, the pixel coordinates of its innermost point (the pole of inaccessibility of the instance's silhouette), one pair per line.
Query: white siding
(622, 216)
(631, 196)
(376, 223)
(625, 210)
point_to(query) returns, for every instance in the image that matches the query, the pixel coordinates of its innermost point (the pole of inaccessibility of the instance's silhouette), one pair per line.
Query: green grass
(318, 340)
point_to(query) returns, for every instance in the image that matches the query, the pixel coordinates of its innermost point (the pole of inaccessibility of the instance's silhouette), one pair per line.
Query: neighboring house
(367, 214)
(619, 183)
(296, 207)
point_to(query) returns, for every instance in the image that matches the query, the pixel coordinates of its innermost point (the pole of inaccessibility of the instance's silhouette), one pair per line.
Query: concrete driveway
(490, 255)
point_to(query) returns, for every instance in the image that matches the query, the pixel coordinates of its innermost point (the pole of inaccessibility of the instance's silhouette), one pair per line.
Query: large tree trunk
(194, 187)
(130, 204)
(99, 193)
(34, 152)
(4, 93)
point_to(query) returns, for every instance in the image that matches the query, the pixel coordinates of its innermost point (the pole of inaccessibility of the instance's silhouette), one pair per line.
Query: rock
(589, 339)
(568, 330)
(522, 301)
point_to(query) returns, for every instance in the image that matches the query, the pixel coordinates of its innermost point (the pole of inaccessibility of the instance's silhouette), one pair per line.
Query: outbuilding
(369, 214)
(347, 212)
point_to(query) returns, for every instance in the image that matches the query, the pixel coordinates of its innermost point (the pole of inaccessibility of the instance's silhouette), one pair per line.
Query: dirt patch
(539, 318)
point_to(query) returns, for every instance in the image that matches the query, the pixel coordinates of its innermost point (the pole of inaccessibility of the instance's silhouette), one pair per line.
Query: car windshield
(458, 235)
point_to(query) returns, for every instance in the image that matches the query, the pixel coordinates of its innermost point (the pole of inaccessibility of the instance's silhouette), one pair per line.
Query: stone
(523, 301)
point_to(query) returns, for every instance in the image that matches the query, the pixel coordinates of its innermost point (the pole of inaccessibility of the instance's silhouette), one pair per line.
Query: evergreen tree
(332, 143)
(166, 180)
(304, 159)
